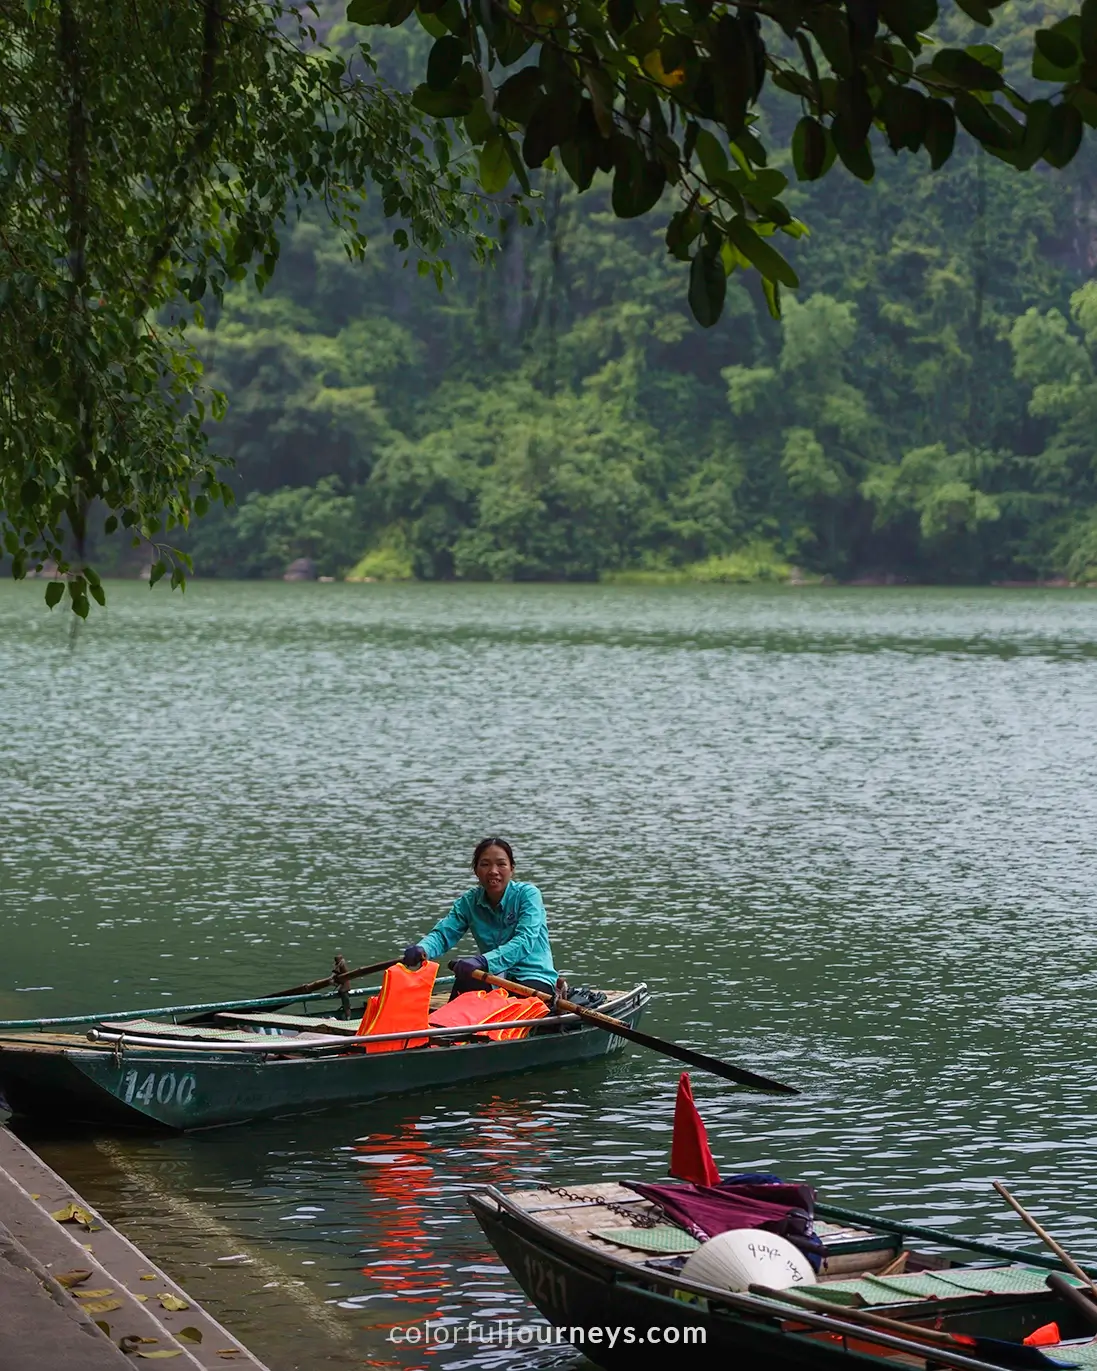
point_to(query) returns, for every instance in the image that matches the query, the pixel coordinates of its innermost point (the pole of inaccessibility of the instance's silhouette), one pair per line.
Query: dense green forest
(924, 409)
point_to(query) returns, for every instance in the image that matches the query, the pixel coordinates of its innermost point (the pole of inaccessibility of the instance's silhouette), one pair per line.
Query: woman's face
(493, 871)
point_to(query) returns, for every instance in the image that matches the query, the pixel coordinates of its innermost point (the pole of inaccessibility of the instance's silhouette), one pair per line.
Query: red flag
(690, 1159)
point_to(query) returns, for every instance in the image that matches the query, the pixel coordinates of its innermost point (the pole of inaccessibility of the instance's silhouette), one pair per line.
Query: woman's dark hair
(483, 845)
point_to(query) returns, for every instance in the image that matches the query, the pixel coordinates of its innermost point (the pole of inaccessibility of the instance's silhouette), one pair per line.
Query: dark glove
(462, 970)
(414, 956)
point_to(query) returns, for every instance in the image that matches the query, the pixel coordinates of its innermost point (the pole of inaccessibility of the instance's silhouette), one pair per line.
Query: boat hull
(181, 1088)
(625, 1318)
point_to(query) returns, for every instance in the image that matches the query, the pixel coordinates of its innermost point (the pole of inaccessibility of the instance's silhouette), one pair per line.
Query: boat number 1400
(161, 1086)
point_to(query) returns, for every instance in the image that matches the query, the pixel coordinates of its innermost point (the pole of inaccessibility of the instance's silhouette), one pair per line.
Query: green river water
(846, 836)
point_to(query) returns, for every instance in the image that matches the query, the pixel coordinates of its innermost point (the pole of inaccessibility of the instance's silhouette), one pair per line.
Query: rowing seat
(292, 1022)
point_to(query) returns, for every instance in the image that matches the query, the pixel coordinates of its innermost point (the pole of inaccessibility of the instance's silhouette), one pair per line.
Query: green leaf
(855, 153)
(581, 154)
(981, 124)
(97, 594)
(54, 592)
(977, 10)
(707, 286)
(637, 183)
(988, 54)
(1088, 32)
(940, 133)
(1085, 102)
(444, 62)
(442, 104)
(813, 150)
(516, 163)
(621, 13)
(908, 18)
(1064, 135)
(478, 123)
(367, 11)
(760, 254)
(159, 569)
(1056, 48)
(905, 113)
(960, 67)
(766, 186)
(517, 97)
(552, 122)
(711, 155)
(682, 229)
(494, 165)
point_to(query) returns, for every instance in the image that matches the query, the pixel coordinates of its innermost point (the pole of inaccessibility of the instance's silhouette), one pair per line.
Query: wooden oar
(1046, 1238)
(991, 1349)
(330, 980)
(622, 1030)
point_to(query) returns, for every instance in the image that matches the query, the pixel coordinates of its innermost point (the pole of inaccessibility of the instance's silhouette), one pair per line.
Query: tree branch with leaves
(665, 93)
(151, 154)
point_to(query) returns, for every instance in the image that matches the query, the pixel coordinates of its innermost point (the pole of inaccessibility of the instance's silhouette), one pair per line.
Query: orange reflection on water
(407, 1170)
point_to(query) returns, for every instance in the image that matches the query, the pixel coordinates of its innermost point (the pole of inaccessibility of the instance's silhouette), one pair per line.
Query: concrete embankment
(122, 1312)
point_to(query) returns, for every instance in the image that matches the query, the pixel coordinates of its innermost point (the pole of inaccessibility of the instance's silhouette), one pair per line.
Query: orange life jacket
(404, 1002)
(489, 1006)
(515, 1012)
(473, 1006)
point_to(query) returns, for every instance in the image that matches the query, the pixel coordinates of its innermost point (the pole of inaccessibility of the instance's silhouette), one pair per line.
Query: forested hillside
(924, 409)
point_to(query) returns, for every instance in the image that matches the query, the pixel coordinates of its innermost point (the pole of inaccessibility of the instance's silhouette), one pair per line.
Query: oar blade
(700, 1060)
(740, 1075)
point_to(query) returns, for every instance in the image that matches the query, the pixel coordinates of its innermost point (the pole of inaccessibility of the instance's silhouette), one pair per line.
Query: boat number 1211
(163, 1087)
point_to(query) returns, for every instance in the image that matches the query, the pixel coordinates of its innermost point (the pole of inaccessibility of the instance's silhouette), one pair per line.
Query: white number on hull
(163, 1087)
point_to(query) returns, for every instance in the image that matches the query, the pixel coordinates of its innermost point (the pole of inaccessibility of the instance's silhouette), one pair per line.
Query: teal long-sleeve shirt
(513, 936)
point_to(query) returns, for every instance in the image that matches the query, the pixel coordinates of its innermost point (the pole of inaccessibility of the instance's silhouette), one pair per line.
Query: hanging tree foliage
(663, 92)
(149, 153)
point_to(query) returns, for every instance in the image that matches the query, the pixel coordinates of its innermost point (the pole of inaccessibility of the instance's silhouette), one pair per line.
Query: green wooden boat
(201, 1066)
(612, 1286)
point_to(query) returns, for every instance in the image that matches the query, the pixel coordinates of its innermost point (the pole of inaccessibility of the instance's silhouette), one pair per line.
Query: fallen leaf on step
(104, 1325)
(101, 1306)
(173, 1352)
(95, 1294)
(74, 1213)
(149, 1276)
(190, 1334)
(71, 1278)
(171, 1302)
(228, 1351)
(143, 1298)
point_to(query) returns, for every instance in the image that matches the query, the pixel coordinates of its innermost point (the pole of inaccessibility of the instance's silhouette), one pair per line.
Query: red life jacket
(404, 1002)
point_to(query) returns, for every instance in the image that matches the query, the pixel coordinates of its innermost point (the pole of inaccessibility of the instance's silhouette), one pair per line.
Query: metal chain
(636, 1220)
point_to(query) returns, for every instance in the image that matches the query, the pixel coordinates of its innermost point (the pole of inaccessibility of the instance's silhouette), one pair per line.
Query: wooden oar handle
(516, 988)
(341, 977)
(1044, 1236)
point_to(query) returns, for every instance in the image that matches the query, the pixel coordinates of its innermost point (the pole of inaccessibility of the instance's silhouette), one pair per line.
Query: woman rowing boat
(507, 919)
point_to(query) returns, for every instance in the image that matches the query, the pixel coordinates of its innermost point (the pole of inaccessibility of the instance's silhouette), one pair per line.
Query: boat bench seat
(153, 1028)
(289, 1021)
(912, 1287)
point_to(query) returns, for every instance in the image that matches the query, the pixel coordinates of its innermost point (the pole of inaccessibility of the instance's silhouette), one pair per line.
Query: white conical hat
(748, 1256)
